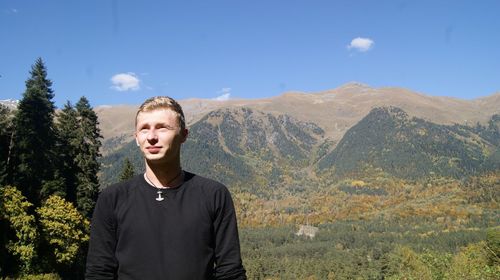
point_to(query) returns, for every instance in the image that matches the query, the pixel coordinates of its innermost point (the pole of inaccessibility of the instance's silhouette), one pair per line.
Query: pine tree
(127, 171)
(69, 141)
(87, 157)
(31, 164)
(6, 131)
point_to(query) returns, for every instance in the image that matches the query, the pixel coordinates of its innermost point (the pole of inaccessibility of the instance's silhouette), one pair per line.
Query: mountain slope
(240, 146)
(405, 147)
(250, 148)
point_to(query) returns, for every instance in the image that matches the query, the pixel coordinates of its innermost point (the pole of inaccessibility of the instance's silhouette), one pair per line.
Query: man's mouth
(153, 149)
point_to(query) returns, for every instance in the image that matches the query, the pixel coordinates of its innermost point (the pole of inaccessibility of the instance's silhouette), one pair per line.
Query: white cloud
(361, 44)
(125, 82)
(225, 94)
(11, 11)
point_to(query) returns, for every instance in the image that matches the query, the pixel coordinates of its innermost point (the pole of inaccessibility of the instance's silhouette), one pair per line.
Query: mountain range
(299, 139)
(10, 103)
(345, 105)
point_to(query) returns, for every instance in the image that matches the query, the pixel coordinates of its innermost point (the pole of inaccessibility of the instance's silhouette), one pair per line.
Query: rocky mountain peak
(10, 103)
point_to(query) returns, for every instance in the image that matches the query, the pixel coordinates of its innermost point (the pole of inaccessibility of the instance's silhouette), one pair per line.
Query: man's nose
(152, 135)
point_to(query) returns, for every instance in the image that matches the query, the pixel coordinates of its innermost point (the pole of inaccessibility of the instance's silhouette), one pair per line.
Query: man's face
(159, 136)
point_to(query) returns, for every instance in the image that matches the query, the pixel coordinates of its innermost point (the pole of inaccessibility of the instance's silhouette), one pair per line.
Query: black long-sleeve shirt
(191, 234)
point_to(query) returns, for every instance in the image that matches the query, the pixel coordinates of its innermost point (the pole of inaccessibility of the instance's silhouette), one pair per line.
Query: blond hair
(163, 103)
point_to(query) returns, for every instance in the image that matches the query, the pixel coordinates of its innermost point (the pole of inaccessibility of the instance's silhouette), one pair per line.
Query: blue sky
(123, 51)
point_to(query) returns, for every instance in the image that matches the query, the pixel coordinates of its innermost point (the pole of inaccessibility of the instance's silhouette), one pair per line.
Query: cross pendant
(159, 198)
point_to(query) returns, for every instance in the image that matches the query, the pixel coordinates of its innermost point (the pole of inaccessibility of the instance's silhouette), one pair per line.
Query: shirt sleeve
(228, 264)
(101, 261)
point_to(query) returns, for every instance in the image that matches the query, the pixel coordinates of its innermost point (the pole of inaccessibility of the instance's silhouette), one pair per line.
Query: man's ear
(184, 133)
(136, 141)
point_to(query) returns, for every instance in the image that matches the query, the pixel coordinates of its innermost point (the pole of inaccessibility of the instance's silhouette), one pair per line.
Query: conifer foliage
(79, 144)
(32, 156)
(87, 157)
(5, 141)
(67, 130)
(127, 171)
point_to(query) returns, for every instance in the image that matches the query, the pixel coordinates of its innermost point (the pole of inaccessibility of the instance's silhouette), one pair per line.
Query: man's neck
(162, 175)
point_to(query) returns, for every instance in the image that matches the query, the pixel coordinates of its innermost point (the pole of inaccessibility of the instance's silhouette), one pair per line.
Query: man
(166, 223)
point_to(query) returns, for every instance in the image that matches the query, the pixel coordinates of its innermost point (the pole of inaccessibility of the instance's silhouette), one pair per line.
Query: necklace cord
(168, 183)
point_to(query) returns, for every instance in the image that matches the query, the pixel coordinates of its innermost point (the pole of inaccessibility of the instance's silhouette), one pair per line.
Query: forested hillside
(405, 147)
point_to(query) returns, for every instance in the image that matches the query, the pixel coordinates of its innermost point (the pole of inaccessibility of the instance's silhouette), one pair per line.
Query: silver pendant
(159, 198)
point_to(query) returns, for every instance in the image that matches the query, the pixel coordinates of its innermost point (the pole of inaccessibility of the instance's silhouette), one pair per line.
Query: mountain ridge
(335, 110)
(254, 150)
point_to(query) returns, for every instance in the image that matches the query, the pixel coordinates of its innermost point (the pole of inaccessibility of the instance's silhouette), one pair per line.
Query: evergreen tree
(6, 131)
(31, 163)
(87, 157)
(127, 171)
(69, 141)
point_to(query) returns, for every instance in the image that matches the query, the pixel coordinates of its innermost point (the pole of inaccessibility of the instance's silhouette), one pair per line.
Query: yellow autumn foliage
(64, 228)
(14, 208)
(358, 183)
(472, 263)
